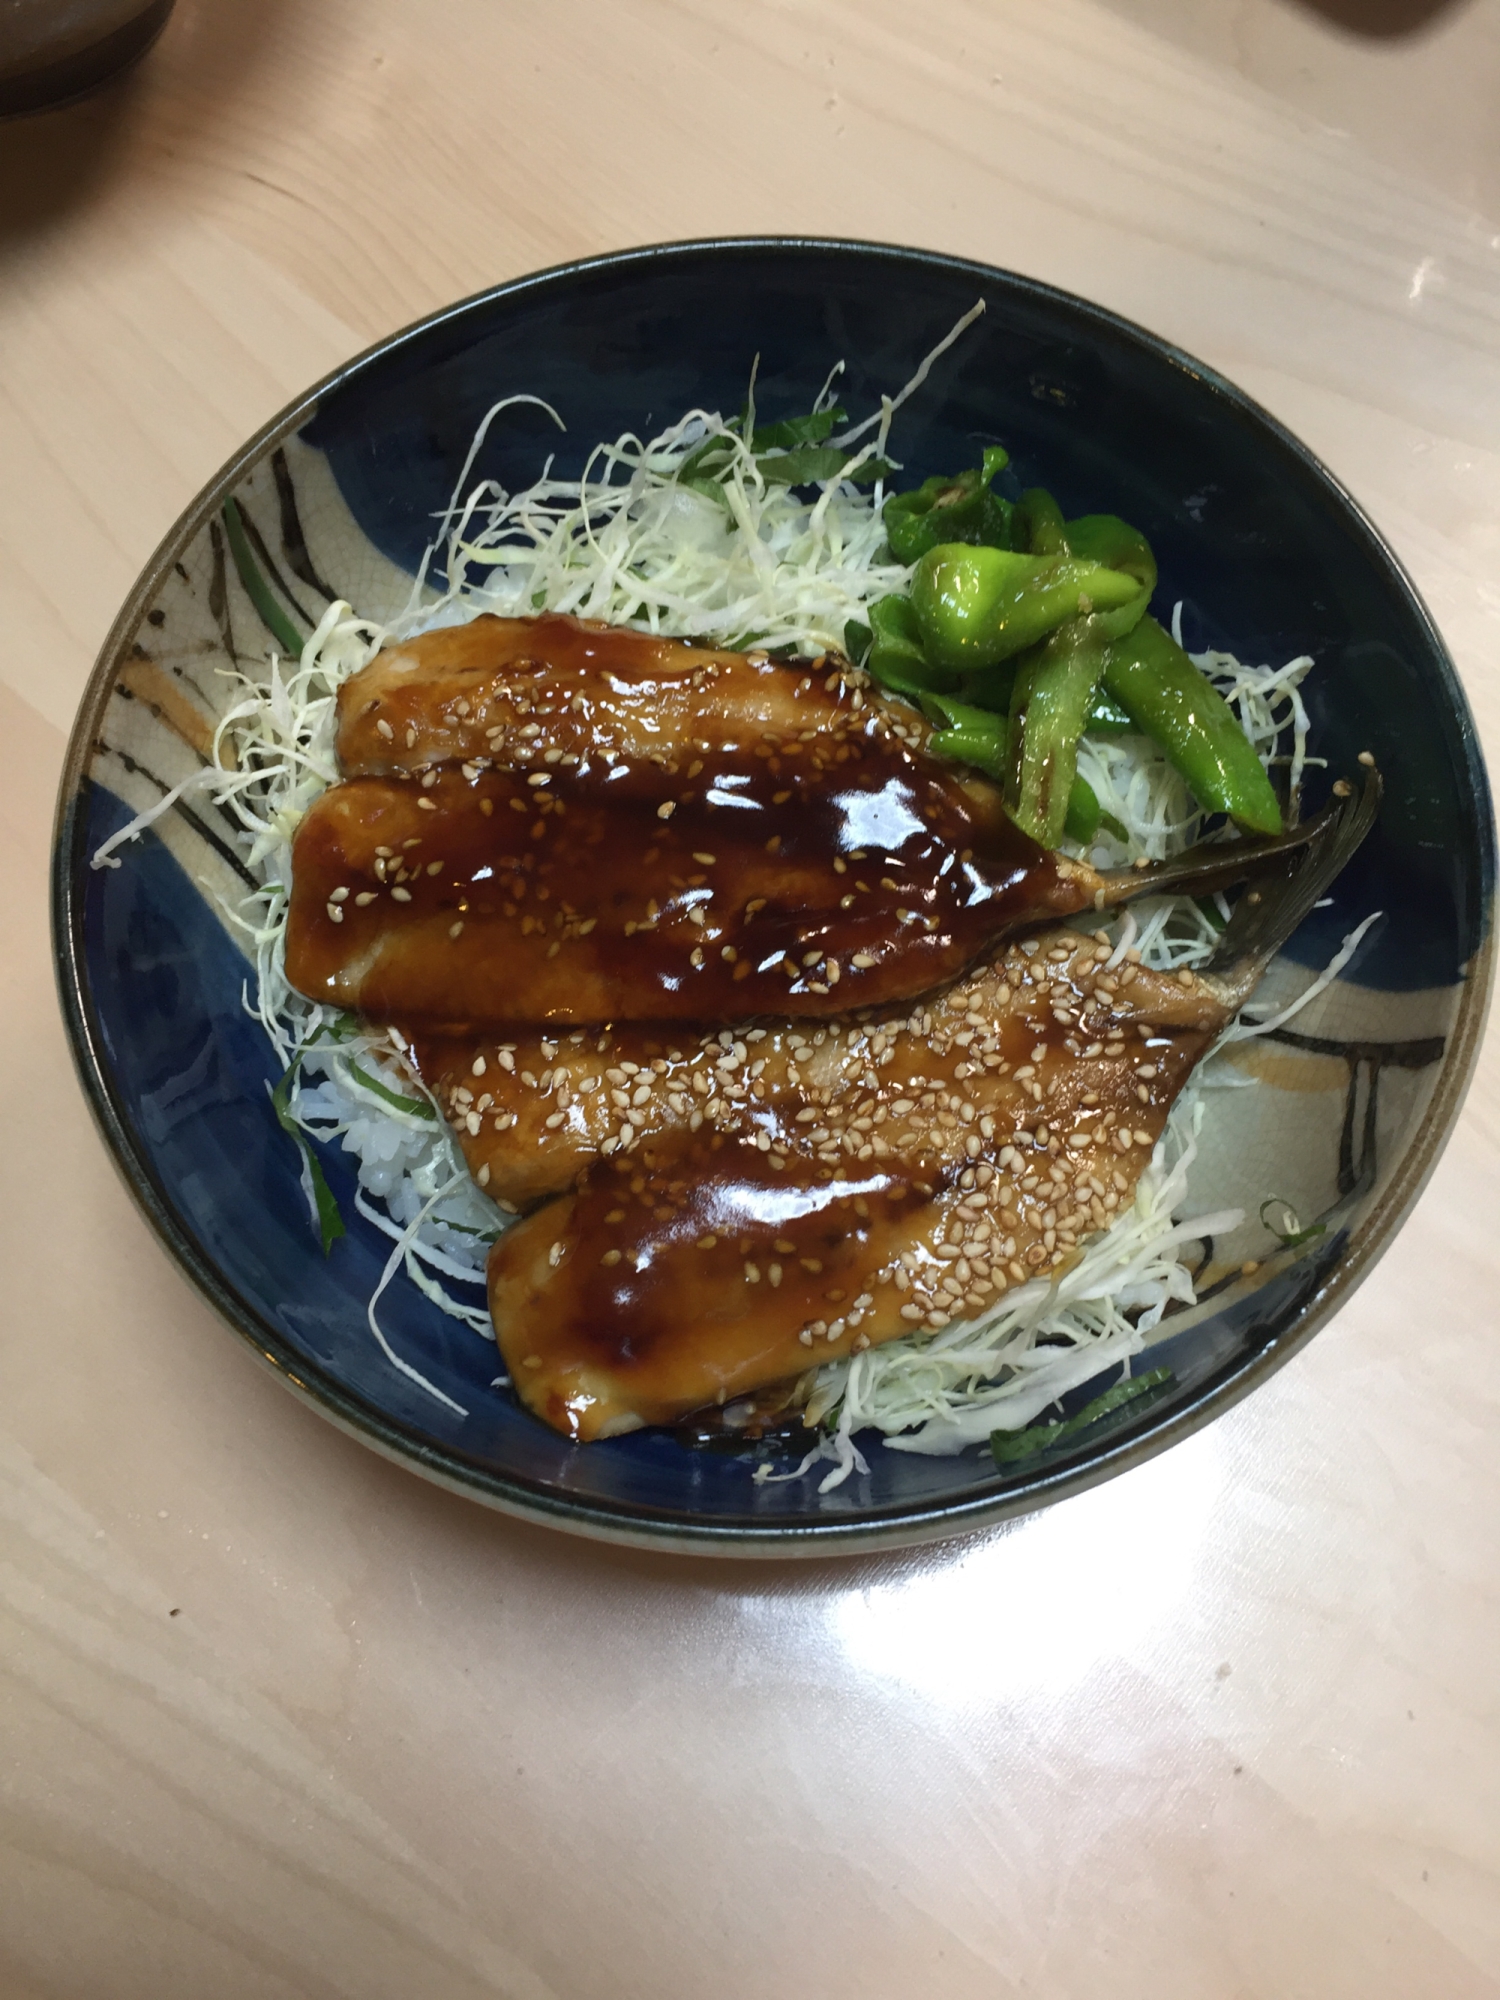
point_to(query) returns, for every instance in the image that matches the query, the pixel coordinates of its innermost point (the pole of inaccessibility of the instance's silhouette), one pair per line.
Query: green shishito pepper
(1107, 540)
(959, 509)
(1023, 614)
(976, 607)
(1049, 707)
(1037, 524)
(968, 735)
(1164, 695)
(1057, 685)
(895, 657)
(979, 737)
(1106, 717)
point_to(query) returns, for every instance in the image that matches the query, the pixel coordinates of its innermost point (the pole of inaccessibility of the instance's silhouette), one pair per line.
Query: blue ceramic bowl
(1270, 558)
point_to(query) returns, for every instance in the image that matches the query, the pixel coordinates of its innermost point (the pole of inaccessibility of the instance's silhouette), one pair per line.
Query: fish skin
(595, 1349)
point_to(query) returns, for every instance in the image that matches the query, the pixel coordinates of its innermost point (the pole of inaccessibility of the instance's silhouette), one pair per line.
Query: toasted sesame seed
(666, 809)
(336, 915)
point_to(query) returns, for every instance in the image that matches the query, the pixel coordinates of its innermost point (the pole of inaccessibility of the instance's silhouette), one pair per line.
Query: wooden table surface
(277, 1719)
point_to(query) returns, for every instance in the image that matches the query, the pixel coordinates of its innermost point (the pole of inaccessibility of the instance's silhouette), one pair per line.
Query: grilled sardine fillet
(759, 1205)
(533, 1111)
(541, 693)
(858, 872)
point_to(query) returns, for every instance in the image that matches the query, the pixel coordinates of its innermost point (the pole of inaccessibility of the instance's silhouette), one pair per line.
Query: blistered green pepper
(1106, 717)
(1085, 815)
(896, 657)
(1106, 539)
(1038, 528)
(975, 607)
(968, 735)
(1164, 694)
(857, 637)
(991, 688)
(957, 509)
(977, 736)
(1049, 705)
(1037, 524)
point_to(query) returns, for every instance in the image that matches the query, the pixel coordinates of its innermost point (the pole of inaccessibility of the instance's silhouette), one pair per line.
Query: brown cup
(54, 50)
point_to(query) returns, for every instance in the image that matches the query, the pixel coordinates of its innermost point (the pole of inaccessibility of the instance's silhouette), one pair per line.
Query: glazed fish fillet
(768, 1200)
(532, 1111)
(859, 872)
(556, 692)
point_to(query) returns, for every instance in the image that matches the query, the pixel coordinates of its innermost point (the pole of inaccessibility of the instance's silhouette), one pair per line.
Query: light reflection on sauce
(684, 1275)
(873, 876)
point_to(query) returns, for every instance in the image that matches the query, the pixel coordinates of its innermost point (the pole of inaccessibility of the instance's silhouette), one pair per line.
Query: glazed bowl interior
(1267, 556)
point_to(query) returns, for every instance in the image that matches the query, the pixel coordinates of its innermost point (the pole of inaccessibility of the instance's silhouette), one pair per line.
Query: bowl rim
(630, 1524)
